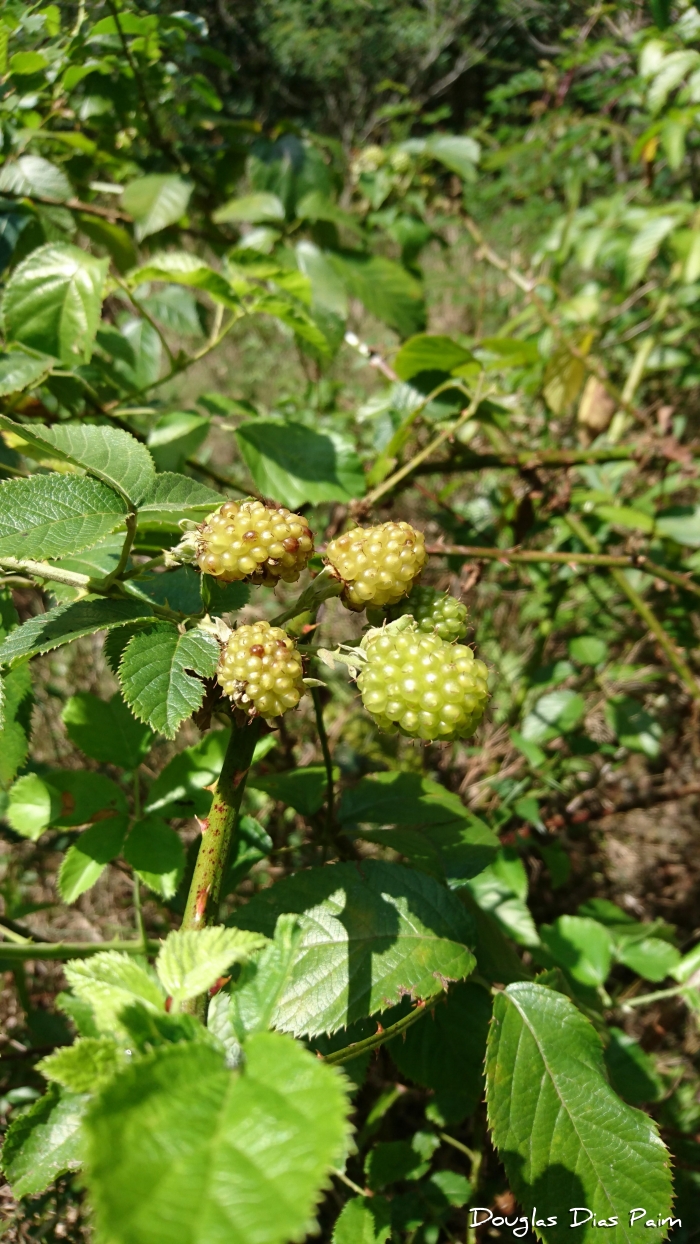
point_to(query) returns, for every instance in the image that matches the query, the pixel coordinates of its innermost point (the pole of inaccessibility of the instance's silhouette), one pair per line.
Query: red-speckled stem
(203, 899)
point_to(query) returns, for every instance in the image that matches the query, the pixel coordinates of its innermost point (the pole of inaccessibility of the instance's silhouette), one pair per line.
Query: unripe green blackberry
(434, 612)
(422, 686)
(378, 565)
(252, 541)
(260, 669)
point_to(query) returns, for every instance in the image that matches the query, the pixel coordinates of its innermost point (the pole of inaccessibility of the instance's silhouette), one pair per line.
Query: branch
(73, 205)
(42, 570)
(382, 1036)
(528, 460)
(70, 950)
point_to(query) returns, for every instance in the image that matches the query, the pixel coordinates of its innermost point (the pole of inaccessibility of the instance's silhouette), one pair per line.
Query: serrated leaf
(173, 497)
(156, 853)
(32, 804)
(370, 934)
(66, 623)
(250, 209)
(297, 465)
(44, 1142)
(33, 175)
(110, 454)
(386, 289)
(46, 516)
(86, 797)
(581, 945)
(20, 371)
(109, 981)
(52, 301)
(86, 859)
(251, 1004)
(632, 1072)
(184, 268)
(303, 789)
(106, 730)
(181, 787)
(564, 1136)
(445, 1050)
(179, 589)
(156, 201)
(363, 1220)
(158, 674)
(82, 1067)
(113, 237)
(190, 962)
(178, 1132)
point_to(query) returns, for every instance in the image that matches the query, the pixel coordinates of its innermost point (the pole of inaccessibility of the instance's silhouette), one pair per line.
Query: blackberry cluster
(256, 542)
(378, 565)
(434, 612)
(422, 686)
(261, 670)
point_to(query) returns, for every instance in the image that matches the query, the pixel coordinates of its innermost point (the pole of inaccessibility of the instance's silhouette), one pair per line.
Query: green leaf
(115, 239)
(174, 497)
(501, 891)
(400, 799)
(156, 201)
(16, 699)
(445, 1050)
(184, 268)
(564, 1136)
(250, 209)
(429, 353)
(44, 1142)
(33, 175)
(627, 517)
(32, 806)
(191, 961)
(20, 371)
(458, 152)
(110, 454)
(178, 1135)
(87, 859)
(46, 516)
(179, 589)
(156, 853)
(105, 730)
(682, 524)
(303, 789)
(558, 712)
(252, 1002)
(650, 957)
(158, 674)
(52, 302)
(175, 437)
(394, 1160)
(363, 1220)
(66, 623)
(386, 289)
(635, 728)
(632, 1072)
(370, 934)
(580, 945)
(180, 788)
(110, 981)
(86, 797)
(83, 1066)
(297, 465)
(588, 650)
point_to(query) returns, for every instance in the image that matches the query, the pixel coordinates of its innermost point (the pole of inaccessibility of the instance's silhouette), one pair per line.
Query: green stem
(327, 758)
(72, 950)
(203, 899)
(683, 670)
(644, 999)
(381, 1037)
(464, 460)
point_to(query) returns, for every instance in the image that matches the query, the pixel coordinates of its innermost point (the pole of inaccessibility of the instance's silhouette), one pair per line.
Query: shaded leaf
(295, 464)
(156, 853)
(87, 859)
(66, 623)
(106, 730)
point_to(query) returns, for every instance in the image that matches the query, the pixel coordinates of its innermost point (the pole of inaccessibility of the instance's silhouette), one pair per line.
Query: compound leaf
(158, 674)
(180, 1149)
(53, 299)
(564, 1136)
(370, 934)
(46, 516)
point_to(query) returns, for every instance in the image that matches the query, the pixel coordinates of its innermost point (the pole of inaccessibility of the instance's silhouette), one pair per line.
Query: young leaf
(445, 1051)
(52, 302)
(68, 622)
(32, 805)
(564, 1136)
(251, 1004)
(84, 1066)
(363, 1220)
(20, 371)
(156, 853)
(158, 674)
(190, 962)
(109, 981)
(400, 799)
(174, 497)
(110, 454)
(46, 516)
(156, 201)
(178, 1136)
(370, 934)
(106, 730)
(297, 464)
(87, 859)
(44, 1142)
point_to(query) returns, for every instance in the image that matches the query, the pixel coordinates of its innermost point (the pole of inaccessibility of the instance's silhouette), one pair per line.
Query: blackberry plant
(377, 565)
(251, 541)
(260, 669)
(433, 612)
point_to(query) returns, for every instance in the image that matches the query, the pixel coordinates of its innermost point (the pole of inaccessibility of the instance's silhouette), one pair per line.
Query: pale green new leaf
(53, 299)
(44, 1142)
(190, 962)
(158, 674)
(110, 981)
(181, 1150)
(68, 622)
(370, 934)
(173, 497)
(20, 371)
(363, 1220)
(46, 516)
(156, 201)
(565, 1138)
(110, 454)
(250, 209)
(84, 1066)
